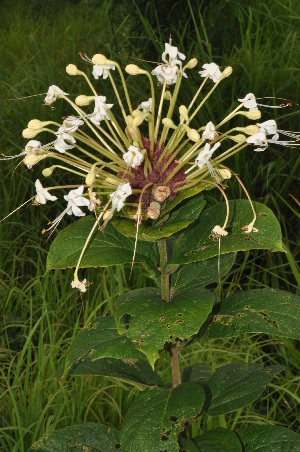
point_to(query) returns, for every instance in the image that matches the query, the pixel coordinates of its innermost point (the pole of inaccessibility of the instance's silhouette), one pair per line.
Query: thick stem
(165, 294)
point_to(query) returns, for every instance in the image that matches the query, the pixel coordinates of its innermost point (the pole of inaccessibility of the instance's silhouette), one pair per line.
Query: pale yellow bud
(183, 112)
(133, 69)
(48, 171)
(226, 73)
(193, 135)
(129, 120)
(30, 133)
(237, 138)
(139, 119)
(99, 59)
(168, 95)
(71, 69)
(191, 64)
(84, 100)
(131, 133)
(90, 178)
(169, 123)
(161, 193)
(250, 130)
(32, 159)
(251, 114)
(136, 113)
(36, 124)
(224, 173)
(106, 215)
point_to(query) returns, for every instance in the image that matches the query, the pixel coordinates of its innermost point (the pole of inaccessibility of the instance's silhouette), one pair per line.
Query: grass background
(39, 313)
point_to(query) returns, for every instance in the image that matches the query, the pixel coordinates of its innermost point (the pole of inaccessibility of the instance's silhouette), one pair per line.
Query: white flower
(94, 202)
(42, 195)
(81, 285)
(133, 157)
(219, 232)
(32, 146)
(119, 196)
(100, 110)
(258, 139)
(146, 106)
(52, 94)
(101, 71)
(211, 70)
(168, 71)
(205, 155)
(172, 52)
(60, 144)
(249, 101)
(75, 200)
(269, 128)
(71, 124)
(209, 132)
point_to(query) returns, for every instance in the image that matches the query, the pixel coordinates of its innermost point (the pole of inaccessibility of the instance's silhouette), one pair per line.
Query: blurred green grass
(39, 313)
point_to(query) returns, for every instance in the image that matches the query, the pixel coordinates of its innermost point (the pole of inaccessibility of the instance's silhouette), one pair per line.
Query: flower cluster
(144, 161)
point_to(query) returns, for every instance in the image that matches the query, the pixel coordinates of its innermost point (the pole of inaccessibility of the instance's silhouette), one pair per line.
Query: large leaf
(105, 248)
(198, 243)
(219, 439)
(156, 417)
(269, 438)
(150, 322)
(126, 369)
(180, 219)
(100, 339)
(258, 311)
(235, 385)
(89, 437)
(196, 276)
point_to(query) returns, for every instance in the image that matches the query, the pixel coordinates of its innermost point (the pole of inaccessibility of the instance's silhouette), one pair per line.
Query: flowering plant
(140, 173)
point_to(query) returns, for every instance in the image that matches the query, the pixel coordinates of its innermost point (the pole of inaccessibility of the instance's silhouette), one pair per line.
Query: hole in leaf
(179, 314)
(168, 326)
(173, 419)
(162, 318)
(178, 321)
(118, 446)
(164, 437)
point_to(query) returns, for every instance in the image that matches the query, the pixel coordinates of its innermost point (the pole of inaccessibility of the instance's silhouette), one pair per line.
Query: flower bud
(193, 135)
(153, 210)
(36, 124)
(48, 171)
(183, 112)
(106, 214)
(251, 114)
(32, 159)
(249, 130)
(226, 73)
(131, 133)
(161, 193)
(191, 64)
(240, 138)
(133, 69)
(224, 173)
(84, 100)
(168, 95)
(99, 59)
(169, 123)
(30, 133)
(90, 178)
(139, 119)
(71, 69)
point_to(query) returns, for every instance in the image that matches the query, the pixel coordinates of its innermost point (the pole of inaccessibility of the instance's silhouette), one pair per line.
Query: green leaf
(179, 219)
(126, 369)
(258, 311)
(100, 339)
(269, 438)
(235, 385)
(219, 439)
(157, 416)
(104, 249)
(196, 372)
(196, 276)
(150, 322)
(198, 244)
(184, 194)
(91, 437)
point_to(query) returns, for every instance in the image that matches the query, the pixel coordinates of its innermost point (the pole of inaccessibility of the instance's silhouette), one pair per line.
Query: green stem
(165, 294)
